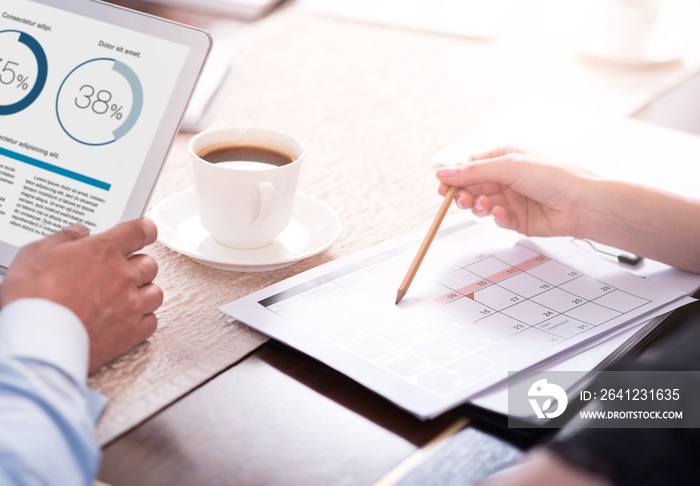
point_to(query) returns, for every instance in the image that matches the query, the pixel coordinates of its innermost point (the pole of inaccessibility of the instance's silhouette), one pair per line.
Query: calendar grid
(424, 351)
(469, 319)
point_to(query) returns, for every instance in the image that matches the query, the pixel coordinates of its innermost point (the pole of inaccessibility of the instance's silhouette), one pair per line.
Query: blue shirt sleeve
(47, 413)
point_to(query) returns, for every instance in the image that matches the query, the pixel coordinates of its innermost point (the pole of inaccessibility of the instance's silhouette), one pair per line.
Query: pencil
(418, 259)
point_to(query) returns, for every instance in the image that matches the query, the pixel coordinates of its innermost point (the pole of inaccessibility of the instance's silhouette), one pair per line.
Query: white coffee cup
(629, 26)
(245, 203)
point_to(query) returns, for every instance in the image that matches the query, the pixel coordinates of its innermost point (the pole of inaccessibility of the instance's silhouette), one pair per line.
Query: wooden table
(207, 400)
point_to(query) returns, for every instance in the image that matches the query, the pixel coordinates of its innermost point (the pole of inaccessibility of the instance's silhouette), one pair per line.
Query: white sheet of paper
(479, 307)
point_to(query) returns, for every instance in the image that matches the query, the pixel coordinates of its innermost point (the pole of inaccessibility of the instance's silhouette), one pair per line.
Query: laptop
(91, 98)
(239, 9)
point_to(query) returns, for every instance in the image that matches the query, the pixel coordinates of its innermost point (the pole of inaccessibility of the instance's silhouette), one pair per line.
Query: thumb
(79, 229)
(70, 233)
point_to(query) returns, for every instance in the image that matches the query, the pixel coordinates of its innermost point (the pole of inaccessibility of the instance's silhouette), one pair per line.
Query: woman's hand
(522, 190)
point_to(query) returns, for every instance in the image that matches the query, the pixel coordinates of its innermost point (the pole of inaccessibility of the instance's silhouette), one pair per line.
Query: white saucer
(658, 50)
(313, 228)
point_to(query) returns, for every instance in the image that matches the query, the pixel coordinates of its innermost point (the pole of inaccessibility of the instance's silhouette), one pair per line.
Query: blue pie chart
(99, 101)
(23, 70)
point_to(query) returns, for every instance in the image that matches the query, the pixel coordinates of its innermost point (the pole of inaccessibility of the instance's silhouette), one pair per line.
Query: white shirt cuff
(45, 331)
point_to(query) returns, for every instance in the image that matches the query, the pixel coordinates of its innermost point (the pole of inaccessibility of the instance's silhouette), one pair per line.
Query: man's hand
(100, 278)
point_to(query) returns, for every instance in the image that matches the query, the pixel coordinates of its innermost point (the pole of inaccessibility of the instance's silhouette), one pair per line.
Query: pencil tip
(399, 295)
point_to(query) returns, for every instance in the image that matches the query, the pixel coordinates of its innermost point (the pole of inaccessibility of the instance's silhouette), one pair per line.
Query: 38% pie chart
(99, 101)
(23, 69)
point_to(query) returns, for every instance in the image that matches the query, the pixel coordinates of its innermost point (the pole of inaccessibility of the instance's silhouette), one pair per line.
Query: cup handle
(267, 208)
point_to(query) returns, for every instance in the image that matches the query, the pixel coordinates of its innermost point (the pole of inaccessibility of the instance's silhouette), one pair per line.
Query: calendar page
(480, 306)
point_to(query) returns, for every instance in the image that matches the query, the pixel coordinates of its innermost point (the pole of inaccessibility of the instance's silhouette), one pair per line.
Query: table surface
(207, 400)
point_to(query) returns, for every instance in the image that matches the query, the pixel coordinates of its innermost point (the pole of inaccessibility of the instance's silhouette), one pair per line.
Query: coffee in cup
(246, 181)
(246, 154)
